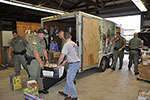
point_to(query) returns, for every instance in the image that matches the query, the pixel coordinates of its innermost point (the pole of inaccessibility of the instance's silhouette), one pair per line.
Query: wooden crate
(144, 72)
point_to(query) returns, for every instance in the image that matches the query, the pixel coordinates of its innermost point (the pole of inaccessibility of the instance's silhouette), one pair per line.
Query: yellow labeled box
(15, 82)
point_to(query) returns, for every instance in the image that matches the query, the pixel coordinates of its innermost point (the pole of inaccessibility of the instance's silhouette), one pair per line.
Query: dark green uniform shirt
(120, 42)
(62, 43)
(135, 43)
(18, 44)
(36, 45)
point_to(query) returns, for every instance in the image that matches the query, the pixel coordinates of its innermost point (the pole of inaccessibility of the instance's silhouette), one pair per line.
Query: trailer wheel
(110, 61)
(103, 64)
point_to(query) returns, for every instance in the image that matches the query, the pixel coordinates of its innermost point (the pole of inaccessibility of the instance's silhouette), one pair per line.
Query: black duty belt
(20, 53)
(135, 49)
(29, 59)
(115, 48)
(35, 58)
(73, 62)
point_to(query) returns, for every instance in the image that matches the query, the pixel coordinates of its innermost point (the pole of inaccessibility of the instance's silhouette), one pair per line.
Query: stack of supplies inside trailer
(53, 46)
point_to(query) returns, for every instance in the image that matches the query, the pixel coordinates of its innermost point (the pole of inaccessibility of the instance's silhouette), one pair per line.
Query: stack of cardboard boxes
(32, 87)
(144, 67)
(146, 58)
(32, 91)
(53, 56)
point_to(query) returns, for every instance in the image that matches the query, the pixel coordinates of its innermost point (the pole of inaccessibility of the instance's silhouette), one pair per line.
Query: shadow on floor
(87, 72)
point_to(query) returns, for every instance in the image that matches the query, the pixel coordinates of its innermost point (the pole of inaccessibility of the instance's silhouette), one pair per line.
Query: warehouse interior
(85, 20)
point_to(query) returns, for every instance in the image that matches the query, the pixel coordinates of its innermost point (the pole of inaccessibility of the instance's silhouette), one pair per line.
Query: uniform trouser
(133, 57)
(35, 72)
(18, 60)
(120, 55)
(73, 68)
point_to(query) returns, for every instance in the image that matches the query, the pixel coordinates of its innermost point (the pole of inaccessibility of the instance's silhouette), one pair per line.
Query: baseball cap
(42, 31)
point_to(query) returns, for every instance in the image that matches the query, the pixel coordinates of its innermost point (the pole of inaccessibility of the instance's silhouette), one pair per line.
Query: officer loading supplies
(36, 52)
(18, 48)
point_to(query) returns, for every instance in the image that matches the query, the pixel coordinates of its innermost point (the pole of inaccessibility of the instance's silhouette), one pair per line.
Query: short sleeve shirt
(71, 50)
(36, 45)
(120, 42)
(135, 43)
(18, 44)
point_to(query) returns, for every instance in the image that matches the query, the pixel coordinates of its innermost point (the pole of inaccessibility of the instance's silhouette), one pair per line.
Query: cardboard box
(15, 82)
(56, 54)
(30, 96)
(145, 61)
(144, 72)
(53, 72)
(142, 98)
(146, 58)
(146, 54)
(35, 92)
(143, 95)
(33, 86)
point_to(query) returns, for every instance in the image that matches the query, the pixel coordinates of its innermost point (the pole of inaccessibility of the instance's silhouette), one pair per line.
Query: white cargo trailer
(91, 33)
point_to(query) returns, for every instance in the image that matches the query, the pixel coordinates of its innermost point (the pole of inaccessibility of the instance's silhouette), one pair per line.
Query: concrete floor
(91, 85)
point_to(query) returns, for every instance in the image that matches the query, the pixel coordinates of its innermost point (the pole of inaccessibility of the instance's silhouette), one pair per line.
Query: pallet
(142, 79)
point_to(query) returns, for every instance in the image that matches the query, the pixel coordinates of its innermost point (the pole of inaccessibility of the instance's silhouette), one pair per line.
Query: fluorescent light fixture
(140, 5)
(33, 7)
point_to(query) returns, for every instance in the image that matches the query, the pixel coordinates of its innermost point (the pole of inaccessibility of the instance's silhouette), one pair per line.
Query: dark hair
(14, 32)
(108, 35)
(67, 35)
(42, 31)
(118, 33)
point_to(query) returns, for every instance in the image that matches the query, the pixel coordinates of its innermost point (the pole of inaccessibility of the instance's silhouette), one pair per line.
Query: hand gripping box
(15, 82)
(30, 96)
(53, 72)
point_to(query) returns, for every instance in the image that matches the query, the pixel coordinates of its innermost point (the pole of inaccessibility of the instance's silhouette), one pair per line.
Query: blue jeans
(72, 70)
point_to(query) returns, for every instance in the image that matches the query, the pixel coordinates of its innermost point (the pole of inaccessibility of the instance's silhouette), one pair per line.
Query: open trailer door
(90, 41)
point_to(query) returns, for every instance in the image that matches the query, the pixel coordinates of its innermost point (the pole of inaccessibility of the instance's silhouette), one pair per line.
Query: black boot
(136, 73)
(43, 91)
(129, 68)
(74, 82)
(113, 68)
(120, 68)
